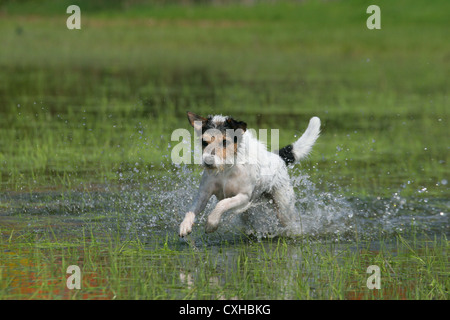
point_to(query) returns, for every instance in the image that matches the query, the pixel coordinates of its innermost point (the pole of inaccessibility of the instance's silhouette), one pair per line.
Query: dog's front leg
(203, 195)
(198, 206)
(222, 206)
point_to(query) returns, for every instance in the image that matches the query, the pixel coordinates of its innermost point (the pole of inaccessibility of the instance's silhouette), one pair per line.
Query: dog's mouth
(209, 165)
(211, 162)
(213, 166)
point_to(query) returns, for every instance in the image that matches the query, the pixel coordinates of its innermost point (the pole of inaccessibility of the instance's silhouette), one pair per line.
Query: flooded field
(87, 179)
(155, 209)
(125, 239)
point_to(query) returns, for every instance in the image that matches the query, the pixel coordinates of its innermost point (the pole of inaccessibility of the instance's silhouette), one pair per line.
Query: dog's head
(220, 137)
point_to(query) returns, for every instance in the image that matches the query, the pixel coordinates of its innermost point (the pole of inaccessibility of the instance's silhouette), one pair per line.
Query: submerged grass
(272, 269)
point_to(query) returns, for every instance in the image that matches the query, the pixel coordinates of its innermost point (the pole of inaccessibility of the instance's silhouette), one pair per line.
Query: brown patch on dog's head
(220, 135)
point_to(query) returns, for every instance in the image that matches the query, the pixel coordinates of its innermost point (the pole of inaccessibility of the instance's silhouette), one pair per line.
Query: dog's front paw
(186, 225)
(212, 224)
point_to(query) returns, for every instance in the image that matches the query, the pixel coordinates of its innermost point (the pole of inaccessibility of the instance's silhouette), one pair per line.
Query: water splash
(154, 206)
(320, 213)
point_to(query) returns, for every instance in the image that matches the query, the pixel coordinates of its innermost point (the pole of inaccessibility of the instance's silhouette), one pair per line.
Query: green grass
(108, 96)
(88, 110)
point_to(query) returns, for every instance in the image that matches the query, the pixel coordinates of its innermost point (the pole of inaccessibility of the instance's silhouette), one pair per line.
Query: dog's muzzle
(208, 161)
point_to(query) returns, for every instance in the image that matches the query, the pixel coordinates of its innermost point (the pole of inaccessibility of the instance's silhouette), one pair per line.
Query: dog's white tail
(302, 147)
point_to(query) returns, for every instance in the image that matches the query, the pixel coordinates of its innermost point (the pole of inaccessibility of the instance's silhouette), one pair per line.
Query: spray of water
(148, 204)
(161, 206)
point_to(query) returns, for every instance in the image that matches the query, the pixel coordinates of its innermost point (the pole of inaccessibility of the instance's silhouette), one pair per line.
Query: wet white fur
(255, 172)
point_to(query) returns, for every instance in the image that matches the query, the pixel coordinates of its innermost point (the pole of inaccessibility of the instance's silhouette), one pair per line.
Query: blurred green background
(97, 105)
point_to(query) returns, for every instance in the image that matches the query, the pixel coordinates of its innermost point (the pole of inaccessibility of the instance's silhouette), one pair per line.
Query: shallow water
(245, 252)
(154, 209)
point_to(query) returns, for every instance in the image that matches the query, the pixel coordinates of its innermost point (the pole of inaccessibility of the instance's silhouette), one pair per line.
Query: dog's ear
(196, 121)
(235, 125)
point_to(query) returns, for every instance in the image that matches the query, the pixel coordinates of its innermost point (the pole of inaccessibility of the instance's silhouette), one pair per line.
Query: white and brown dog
(239, 170)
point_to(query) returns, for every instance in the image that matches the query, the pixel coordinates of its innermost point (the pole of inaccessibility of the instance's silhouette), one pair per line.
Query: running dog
(239, 170)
